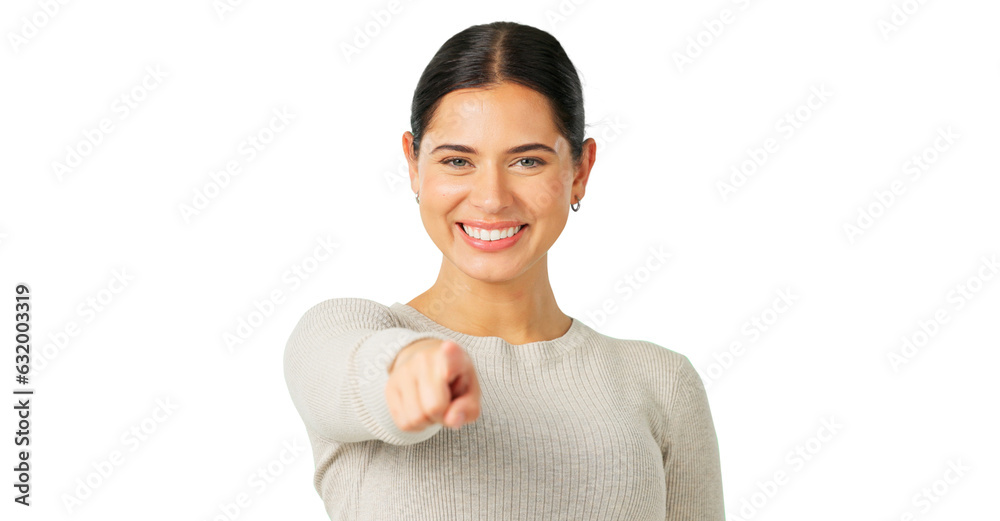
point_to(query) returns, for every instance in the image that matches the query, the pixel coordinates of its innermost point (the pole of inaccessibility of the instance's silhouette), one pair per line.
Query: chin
(487, 271)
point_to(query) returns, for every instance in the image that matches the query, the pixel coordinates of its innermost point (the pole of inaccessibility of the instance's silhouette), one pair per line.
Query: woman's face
(494, 156)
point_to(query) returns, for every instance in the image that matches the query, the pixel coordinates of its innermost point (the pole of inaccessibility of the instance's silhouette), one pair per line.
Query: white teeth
(490, 235)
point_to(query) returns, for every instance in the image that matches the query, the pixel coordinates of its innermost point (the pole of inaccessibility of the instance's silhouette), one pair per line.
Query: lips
(485, 245)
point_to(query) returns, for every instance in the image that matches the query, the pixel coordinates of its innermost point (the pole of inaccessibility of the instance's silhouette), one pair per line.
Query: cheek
(546, 198)
(443, 189)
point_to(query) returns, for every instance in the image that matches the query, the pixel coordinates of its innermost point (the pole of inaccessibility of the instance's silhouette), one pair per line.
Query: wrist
(409, 348)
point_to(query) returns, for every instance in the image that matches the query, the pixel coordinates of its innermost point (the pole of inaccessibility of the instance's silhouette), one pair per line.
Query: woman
(547, 418)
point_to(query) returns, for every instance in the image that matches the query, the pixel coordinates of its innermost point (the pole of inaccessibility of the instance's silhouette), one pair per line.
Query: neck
(519, 310)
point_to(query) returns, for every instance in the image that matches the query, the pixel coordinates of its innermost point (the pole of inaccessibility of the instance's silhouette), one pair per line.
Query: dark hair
(487, 55)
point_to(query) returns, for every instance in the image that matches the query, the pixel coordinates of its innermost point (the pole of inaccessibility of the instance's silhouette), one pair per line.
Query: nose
(490, 192)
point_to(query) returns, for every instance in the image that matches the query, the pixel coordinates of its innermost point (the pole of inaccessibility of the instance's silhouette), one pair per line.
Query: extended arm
(335, 365)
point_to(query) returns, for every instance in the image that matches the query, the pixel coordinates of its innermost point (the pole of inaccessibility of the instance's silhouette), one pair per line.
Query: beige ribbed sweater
(582, 427)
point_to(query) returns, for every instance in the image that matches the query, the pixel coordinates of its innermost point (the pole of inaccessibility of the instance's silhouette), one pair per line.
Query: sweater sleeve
(336, 369)
(691, 452)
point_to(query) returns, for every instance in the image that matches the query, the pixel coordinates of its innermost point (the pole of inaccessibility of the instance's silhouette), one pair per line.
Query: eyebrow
(515, 150)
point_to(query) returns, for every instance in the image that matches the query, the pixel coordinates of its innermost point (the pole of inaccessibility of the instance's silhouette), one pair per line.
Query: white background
(669, 133)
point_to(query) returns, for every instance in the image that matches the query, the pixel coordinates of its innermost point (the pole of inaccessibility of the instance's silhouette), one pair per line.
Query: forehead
(493, 118)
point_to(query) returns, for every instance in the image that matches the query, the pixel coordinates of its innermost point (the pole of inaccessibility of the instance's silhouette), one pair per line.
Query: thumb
(460, 411)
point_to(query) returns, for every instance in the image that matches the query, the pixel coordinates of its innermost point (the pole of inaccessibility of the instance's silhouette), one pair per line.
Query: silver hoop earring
(577, 207)
(418, 197)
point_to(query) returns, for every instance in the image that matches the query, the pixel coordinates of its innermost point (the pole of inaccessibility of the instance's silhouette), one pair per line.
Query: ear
(581, 173)
(411, 161)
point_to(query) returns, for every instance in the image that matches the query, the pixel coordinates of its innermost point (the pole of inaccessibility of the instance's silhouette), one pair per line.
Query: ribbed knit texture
(583, 427)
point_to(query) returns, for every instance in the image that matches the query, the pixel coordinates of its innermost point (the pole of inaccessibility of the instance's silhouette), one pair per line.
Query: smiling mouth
(519, 228)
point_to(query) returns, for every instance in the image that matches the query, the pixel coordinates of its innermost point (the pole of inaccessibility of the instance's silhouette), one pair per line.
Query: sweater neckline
(496, 346)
